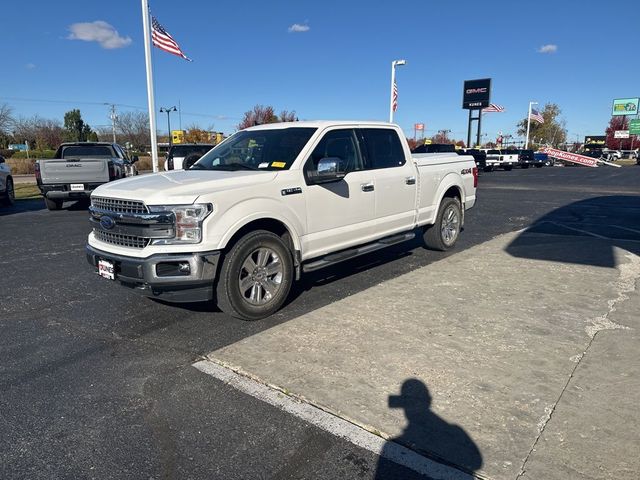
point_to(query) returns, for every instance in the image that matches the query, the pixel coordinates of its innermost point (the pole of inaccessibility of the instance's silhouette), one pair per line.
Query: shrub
(7, 153)
(144, 164)
(35, 154)
(21, 166)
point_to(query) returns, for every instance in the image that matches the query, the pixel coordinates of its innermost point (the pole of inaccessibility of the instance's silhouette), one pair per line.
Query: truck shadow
(426, 433)
(22, 206)
(584, 232)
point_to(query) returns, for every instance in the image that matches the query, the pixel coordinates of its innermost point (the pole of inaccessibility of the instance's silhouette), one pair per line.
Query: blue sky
(337, 66)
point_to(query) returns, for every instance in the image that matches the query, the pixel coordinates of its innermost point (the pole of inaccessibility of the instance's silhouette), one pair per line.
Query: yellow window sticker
(279, 164)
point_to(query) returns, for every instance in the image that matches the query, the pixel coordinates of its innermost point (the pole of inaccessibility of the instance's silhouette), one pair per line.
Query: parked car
(7, 192)
(271, 202)
(182, 156)
(78, 168)
(480, 156)
(527, 158)
(544, 158)
(435, 148)
(505, 159)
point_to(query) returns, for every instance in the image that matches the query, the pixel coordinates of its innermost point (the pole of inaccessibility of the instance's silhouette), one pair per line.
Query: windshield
(494, 152)
(257, 150)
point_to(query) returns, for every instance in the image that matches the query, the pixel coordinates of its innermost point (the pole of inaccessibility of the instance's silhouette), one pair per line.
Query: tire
(539, 165)
(53, 204)
(257, 262)
(488, 169)
(440, 235)
(525, 166)
(189, 160)
(508, 168)
(10, 193)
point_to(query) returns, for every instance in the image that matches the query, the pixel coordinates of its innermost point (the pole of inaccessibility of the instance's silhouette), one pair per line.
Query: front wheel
(444, 234)
(256, 276)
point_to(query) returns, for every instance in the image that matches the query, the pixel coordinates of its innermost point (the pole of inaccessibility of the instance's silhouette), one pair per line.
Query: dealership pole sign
(476, 94)
(625, 106)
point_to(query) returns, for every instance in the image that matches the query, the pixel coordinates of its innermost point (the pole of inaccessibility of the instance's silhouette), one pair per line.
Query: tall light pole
(394, 91)
(168, 112)
(526, 143)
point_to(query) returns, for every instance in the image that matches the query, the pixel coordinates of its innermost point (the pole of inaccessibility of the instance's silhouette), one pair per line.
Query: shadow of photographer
(427, 434)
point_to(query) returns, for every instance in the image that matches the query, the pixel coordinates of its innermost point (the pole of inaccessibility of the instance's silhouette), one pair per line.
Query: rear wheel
(444, 234)
(53, 204)
(10, 193)
(256, 276)
(508, 168)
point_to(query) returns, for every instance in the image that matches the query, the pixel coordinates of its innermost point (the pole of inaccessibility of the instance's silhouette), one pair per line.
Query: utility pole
(113, 117)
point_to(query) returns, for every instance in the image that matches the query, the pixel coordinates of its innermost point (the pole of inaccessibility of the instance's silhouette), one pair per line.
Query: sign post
(476, 95)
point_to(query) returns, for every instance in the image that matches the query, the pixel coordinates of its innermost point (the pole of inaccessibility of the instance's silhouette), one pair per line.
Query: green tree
(76, 129)
(552, 132)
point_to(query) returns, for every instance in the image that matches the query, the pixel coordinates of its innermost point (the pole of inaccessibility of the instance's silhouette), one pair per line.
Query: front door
(339, 214)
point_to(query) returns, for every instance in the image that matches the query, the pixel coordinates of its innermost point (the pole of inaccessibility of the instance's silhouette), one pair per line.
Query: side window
(340, 144)
(119, 152)
(383, 148)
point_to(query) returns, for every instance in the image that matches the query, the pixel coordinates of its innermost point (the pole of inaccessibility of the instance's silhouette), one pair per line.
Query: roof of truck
(322, 124)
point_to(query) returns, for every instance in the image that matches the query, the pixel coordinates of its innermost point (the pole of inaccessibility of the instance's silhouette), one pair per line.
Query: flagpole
(526, 143)
(150, 98)
(393, 81)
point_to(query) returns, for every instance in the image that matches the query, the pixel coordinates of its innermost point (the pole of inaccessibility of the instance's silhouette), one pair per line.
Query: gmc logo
(471, 91)
(73, 165)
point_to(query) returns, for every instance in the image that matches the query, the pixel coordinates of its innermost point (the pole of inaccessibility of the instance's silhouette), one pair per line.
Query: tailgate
(86, 170)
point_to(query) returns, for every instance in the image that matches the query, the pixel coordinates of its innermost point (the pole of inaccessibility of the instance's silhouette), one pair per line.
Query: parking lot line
(331, 423)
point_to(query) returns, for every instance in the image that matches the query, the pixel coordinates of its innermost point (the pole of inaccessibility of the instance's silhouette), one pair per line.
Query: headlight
(188, 222)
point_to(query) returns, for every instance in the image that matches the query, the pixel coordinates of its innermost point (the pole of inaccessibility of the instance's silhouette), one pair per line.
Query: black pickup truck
(527, 158)
(78, 168)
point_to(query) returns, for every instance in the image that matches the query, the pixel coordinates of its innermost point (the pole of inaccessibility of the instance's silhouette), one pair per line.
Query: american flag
(536, 116)
(395, 96)
(493, 108)
(164, 41)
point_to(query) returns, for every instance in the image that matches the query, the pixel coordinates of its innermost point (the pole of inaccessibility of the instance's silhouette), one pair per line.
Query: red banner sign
(570, 157)
(419, 126)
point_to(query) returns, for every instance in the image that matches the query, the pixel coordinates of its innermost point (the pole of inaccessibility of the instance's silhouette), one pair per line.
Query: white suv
(7, 193)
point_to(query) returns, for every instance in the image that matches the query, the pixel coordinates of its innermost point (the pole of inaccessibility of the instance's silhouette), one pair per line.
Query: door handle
(410, 180)
(367, 187)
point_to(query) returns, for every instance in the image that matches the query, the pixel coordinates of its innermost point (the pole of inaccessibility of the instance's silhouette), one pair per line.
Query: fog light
(184, 268)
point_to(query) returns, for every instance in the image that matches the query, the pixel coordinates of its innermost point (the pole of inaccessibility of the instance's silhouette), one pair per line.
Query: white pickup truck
(271, 202)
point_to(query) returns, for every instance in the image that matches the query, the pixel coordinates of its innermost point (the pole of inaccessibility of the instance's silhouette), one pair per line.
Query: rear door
(394, 180)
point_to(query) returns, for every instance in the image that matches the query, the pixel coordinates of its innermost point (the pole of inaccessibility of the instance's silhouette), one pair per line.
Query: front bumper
(157, 276)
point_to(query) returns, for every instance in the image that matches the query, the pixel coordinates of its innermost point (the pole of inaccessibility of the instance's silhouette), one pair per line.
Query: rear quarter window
(383, 148)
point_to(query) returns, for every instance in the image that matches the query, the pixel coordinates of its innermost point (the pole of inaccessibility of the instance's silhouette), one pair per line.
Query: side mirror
(330, 169)
(1, 159)
(134, 159)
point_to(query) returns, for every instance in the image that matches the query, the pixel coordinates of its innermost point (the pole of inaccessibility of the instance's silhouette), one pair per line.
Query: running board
(338, 257)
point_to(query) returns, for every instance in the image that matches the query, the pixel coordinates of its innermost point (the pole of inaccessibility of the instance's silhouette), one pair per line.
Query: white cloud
(98, 31)
(299, 27)
(30, 66)
(549, 48)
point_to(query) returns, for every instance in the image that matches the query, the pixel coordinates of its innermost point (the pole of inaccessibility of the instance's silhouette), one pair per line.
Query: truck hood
(181, 186)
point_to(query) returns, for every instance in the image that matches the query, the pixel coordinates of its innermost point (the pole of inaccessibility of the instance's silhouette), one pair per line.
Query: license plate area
(106, 269)
(77, 187)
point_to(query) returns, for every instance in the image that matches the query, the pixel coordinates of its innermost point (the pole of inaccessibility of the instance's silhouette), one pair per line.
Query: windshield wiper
(232, 167)
(197, 166)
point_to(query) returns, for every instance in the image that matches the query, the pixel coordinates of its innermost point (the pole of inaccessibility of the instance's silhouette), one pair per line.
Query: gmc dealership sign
(476, 93)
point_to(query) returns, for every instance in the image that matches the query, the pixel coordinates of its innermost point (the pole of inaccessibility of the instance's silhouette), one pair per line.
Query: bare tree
(260, 115)
(133, 127)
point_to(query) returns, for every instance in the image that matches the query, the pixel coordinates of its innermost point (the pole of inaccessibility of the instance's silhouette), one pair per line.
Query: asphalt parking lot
(99, 383)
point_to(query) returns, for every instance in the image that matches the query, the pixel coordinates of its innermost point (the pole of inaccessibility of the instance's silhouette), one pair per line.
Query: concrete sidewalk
(497, 360)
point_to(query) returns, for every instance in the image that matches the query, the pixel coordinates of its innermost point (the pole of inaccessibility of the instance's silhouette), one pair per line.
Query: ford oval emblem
(107, 222)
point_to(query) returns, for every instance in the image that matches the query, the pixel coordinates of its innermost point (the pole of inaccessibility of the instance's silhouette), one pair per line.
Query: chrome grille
(119, 206)
(120, 240)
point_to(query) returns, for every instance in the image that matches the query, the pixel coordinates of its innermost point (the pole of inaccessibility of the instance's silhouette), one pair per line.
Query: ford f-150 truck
(271, 202)
(78, 168)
